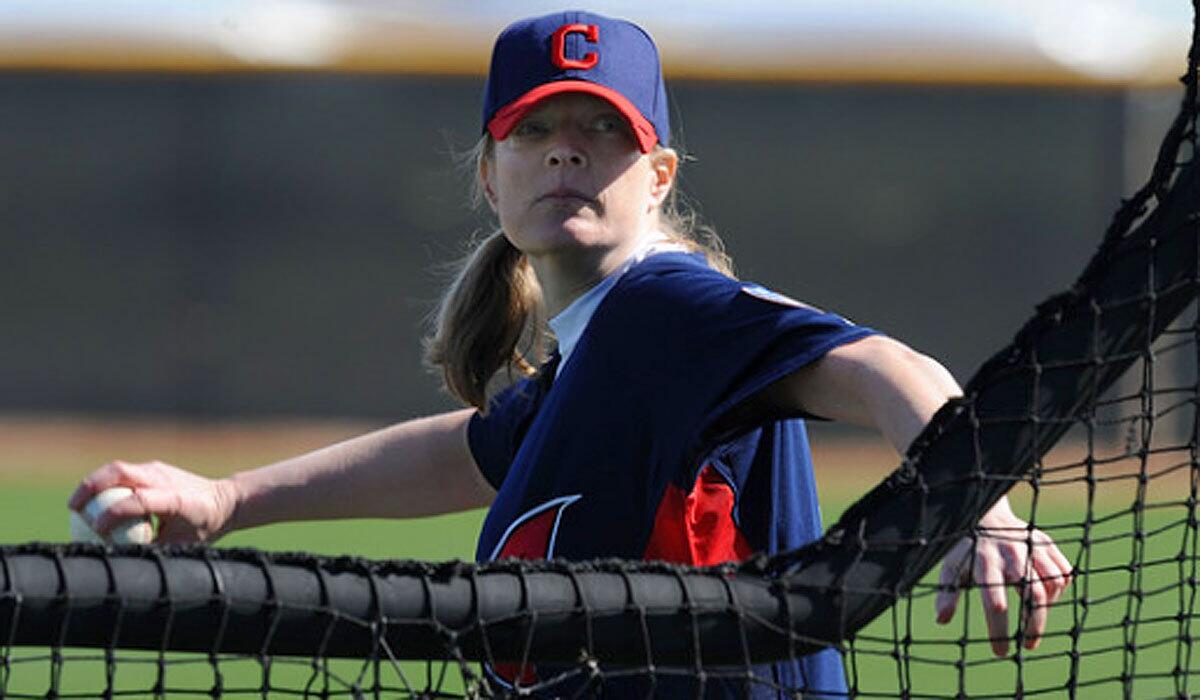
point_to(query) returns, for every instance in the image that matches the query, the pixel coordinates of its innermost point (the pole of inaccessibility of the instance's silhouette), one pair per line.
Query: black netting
(1089, 421)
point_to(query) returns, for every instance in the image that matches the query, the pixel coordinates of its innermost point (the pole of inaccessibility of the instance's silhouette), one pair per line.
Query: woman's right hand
(189, 508)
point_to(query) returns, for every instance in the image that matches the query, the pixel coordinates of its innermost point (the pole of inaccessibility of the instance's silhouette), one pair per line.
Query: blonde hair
(488, 324)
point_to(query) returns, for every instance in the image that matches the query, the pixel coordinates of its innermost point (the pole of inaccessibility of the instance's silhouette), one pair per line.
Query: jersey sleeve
(777, 335)
(495, 436)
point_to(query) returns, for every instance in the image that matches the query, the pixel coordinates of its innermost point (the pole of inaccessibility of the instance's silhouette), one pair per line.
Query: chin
(569, 235)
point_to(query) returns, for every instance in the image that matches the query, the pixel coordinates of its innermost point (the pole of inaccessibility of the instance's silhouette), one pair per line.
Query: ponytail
(490, 307)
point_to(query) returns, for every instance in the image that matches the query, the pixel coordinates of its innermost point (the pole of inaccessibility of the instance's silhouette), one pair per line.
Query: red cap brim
(507, 116)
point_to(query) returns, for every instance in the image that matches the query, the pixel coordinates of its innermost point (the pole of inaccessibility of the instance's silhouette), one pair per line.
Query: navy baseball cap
(577, 52)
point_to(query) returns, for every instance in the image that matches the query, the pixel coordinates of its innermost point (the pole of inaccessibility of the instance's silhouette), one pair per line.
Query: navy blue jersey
(643, 445)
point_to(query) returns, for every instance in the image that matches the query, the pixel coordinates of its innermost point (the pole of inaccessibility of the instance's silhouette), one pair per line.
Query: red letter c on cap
(558, 45)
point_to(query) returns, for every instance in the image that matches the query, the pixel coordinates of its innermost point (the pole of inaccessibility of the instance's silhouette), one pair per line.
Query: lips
(566, 194)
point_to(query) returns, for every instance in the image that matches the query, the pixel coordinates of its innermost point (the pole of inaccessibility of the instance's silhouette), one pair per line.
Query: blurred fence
(269, 243)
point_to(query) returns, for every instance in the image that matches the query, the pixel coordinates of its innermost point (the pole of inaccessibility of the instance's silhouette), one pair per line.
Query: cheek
(632, 190)
(506, 171)
(506, 190)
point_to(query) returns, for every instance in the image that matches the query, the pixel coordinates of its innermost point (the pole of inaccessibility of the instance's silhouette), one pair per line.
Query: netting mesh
(1118, 489)
(1089, 421)
(1118, 494)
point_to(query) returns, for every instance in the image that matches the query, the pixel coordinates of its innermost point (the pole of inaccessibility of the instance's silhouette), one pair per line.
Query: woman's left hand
(1005, 551)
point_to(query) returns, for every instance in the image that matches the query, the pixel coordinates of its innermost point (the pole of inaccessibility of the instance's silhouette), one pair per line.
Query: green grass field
(1121, 634)
(36, 512)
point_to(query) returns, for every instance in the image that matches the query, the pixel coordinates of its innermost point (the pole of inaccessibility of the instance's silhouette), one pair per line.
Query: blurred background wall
(191, 229)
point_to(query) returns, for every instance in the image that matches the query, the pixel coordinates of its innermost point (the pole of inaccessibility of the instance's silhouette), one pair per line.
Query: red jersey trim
(697, 528)
(534, 534)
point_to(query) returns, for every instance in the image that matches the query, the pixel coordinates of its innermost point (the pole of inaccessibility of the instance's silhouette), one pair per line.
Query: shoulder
(675, 267)
(684, 283)
(675, 279)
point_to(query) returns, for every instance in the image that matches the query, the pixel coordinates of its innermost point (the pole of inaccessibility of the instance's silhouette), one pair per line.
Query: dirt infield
(59, 449)
(54, 448)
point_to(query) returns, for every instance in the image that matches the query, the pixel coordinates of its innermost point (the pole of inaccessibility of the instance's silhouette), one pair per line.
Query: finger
(1064, 565)
(1052, 565)
(144, 502)
(83, 493)
(1046, 570)
(125, 509)
(1036, 612)
(115, 473)
(92, 484)
(990, 577)
(947, 597)
(950, 580)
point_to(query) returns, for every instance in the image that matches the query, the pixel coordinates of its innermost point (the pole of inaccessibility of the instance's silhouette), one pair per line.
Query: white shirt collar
(569, 324)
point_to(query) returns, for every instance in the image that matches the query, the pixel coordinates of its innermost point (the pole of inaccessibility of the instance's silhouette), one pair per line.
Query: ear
(486, 180)
(664, 162)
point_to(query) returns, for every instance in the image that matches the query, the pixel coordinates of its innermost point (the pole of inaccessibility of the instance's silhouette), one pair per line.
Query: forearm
(900, 390)
(416, 468)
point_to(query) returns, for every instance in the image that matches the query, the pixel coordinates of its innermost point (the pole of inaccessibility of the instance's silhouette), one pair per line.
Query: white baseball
(132, 531)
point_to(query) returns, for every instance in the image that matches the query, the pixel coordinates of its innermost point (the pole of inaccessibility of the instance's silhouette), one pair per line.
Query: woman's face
(570, 176)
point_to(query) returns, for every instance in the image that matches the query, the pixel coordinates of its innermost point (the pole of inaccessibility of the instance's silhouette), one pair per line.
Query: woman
(665, 425)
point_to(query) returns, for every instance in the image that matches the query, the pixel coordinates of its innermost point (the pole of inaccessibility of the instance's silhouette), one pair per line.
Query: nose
(565, 151)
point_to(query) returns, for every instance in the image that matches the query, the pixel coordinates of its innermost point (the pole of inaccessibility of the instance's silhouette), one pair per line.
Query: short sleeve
(707, 343)
(779, 336)
(494, 437)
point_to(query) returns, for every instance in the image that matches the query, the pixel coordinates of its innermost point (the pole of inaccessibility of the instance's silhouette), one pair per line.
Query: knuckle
(1011, 550)
(987, 568)
(103, 524)
(986, 555)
